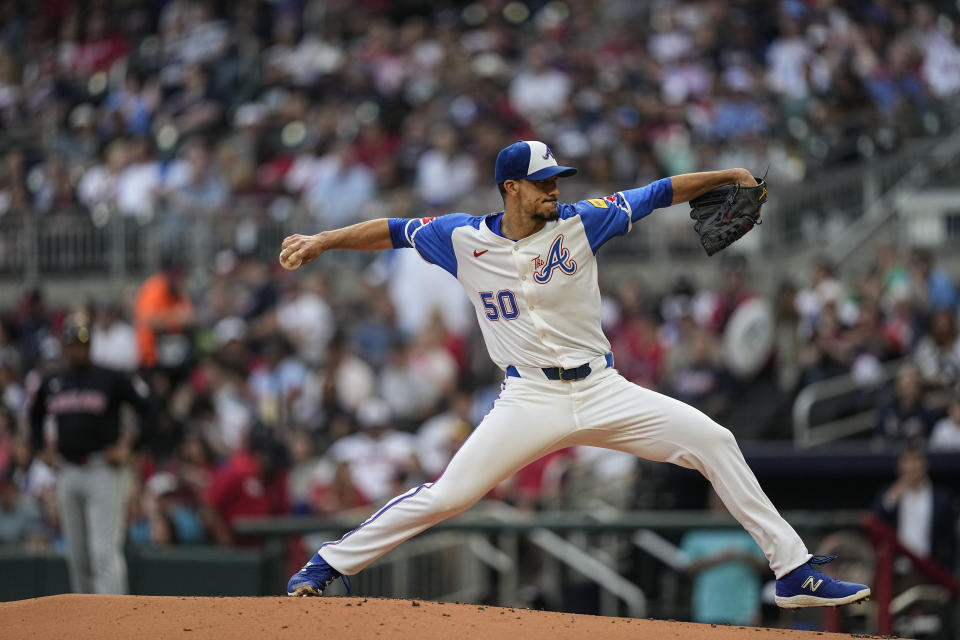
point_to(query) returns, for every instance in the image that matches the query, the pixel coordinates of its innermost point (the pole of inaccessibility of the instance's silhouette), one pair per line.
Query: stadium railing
(841, 407)
(491, 543)
(35, 245)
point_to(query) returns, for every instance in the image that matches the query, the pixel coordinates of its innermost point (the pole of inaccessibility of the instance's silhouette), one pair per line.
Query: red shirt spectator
(247, 487)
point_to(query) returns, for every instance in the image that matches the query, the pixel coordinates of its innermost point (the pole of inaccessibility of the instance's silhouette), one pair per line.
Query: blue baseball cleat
(807, 587)
(315, 576)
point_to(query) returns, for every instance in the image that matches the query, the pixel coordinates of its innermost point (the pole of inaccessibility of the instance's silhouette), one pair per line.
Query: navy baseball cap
(528, 160)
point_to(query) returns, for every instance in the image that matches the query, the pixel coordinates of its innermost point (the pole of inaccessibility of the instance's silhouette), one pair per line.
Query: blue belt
(559, 373)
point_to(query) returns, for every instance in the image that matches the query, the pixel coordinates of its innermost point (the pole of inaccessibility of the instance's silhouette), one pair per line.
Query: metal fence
(799, 217)
(493, 554)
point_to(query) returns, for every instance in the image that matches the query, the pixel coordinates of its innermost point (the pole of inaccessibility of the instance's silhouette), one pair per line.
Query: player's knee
(720, 438)
(449, 502)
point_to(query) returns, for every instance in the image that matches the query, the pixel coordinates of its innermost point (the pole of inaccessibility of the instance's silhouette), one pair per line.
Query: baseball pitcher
(531, 273)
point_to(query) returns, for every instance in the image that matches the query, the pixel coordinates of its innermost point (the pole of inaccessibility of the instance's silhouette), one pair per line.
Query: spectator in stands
(921, 512)
(114, 341)
(12, 394)
(828, 353)
(946, 432)
(278, 382)
(378, 456)
(303, 468)
(347, 380)
(642, 354)
(445, 172)
(696, 375)
(340, 187)
(824, 289)
(194, 465)
(304, 315)
(193, 190)
(7, 428)
(905, 418)
(788, 339)
(893, 273)
(901, 325)
(97, 189)
(167, 518)
(163, 317)
(225, 413)
(252, 483)
(734, 290)
(937, 355)
(21, 522)
(437, 438)
(539, 91)
(9, 345)
(933, 287)
(33, 324)
(407, 394)
(869, 345)
(138, 185)
(726, 566)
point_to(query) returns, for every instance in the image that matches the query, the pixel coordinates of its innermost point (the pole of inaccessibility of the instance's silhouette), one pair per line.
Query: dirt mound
(144, 617)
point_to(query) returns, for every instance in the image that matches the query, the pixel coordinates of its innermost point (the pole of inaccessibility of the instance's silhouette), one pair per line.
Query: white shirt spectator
(787, 60)
(945, 436)
(97, 187)
(115, 346)
(340, 187)
(437, 440)
(914, 519)
(408, 394)
(418, 289)
(941, 65)
(442, 178)
(355, 381)
(308, 321)
(13, 396)
(135, 189)
(271, 388)
(684, 80)
(375, 462)
(938, 365)
(539, 95)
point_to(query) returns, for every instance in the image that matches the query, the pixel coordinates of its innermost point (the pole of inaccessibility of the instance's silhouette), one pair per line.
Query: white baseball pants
(534, 416)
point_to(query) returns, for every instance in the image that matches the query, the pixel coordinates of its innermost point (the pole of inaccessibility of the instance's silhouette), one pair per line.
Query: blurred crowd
(185, 109)
(272, 394)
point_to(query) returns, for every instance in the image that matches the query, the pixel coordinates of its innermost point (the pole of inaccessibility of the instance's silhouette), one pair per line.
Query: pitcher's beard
(553, 214)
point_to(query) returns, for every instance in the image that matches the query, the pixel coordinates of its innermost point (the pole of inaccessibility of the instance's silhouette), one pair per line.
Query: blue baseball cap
(528, 160)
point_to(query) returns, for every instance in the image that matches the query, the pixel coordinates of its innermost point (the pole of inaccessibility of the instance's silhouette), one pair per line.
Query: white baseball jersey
(537, 298)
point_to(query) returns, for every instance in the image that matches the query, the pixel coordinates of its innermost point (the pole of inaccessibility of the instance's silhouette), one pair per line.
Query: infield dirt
(147, 617)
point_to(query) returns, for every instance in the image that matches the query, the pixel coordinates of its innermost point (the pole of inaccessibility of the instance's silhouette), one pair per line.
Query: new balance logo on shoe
(810, 583)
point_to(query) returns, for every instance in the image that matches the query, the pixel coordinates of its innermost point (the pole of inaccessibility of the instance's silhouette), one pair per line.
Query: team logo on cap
(548, 154)
(558, 257)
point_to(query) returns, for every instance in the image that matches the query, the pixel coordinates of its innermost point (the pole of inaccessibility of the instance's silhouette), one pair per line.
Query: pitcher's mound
(144, 617)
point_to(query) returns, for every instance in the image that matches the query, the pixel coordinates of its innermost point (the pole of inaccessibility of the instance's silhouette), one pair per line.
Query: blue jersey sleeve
(431, 237)
(605, 218)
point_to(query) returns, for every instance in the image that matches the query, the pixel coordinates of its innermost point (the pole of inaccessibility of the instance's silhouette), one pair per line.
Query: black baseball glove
(723, 215)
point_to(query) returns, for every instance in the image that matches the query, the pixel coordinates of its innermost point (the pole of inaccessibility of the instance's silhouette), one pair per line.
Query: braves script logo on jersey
(558, 257)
